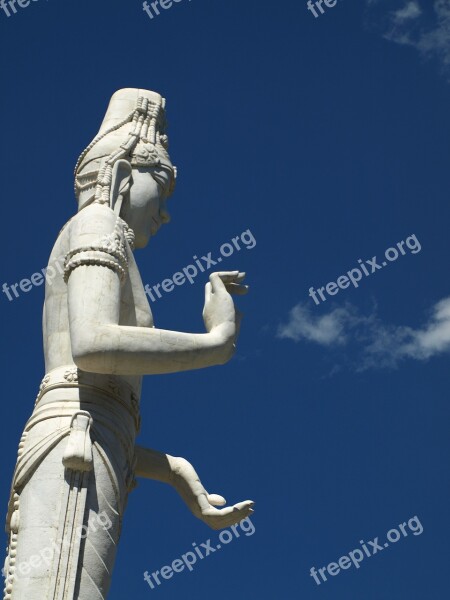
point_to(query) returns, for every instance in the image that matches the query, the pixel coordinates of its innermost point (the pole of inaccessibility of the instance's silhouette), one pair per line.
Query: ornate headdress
(134, 130)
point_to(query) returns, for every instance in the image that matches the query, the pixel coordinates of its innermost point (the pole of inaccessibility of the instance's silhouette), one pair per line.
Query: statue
(77, 458)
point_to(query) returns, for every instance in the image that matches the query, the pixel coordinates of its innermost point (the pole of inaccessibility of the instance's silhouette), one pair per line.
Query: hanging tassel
(78, 453)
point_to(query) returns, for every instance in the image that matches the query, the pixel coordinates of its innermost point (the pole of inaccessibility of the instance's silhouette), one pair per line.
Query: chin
(141, 240)
(141, 243)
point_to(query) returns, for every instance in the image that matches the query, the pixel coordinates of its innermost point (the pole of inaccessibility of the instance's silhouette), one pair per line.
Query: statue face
(145, 211)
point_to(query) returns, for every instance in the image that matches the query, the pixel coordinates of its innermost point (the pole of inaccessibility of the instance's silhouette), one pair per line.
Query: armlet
(109, 251)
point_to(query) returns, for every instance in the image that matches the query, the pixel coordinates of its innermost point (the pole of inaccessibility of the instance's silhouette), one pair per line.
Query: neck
(85, 198)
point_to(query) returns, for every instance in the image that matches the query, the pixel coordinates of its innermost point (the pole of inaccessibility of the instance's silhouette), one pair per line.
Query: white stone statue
(77, 457)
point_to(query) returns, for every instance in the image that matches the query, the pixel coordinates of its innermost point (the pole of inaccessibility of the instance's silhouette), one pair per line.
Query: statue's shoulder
(97, 237)
(91, 222)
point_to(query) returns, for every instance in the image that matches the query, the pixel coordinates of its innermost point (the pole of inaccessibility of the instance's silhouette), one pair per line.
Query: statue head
(127, 165)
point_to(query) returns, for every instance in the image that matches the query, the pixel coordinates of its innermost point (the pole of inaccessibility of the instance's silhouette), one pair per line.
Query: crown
(133, 129)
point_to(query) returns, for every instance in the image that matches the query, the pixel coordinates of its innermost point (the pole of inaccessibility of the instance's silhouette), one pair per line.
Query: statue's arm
(101, 345)
(180, 474)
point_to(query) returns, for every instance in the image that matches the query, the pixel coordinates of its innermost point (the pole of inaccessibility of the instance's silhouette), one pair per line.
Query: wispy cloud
(422, 24)
(410, 11)
(326, 330)
(374, 343)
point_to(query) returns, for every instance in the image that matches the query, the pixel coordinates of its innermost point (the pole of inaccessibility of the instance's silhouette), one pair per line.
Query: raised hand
(219, 312)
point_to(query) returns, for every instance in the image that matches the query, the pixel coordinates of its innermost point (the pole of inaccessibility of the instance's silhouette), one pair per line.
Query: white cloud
(411, 10)
(374, 343)
(424, 25)
(326, 330)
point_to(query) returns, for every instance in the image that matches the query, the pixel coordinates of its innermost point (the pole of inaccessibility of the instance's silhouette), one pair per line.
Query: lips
(156, 223)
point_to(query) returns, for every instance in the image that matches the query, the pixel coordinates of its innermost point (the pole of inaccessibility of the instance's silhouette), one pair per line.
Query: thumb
(216, 500)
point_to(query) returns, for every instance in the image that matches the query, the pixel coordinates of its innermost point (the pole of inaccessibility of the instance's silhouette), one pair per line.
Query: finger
(216, 500)
(207, 292)
(219, 278)
(238, 515)
(247, 504)
(240, 507)
(241, 276)
(235, 288)
(222, 513)
(238, 276)
(217, 284)
(231, 515)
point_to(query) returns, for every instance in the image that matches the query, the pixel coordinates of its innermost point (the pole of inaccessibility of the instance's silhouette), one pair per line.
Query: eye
(163, 182)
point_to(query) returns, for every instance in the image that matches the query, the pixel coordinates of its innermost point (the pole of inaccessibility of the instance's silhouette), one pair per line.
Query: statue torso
(134, 308)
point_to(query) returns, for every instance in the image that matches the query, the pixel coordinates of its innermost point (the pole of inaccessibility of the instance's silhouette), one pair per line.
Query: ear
(120, 184)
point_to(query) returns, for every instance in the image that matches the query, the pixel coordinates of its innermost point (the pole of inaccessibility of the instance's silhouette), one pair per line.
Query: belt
(112, 386)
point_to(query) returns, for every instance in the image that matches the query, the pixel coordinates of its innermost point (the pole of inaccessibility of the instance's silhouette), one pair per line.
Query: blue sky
(329, 139)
